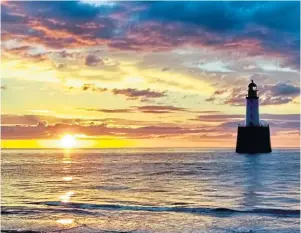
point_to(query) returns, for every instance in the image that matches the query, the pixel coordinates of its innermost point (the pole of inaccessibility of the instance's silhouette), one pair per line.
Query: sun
(68, 141)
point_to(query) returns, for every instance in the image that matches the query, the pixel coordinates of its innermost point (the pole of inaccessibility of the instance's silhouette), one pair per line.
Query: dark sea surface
(150, 190)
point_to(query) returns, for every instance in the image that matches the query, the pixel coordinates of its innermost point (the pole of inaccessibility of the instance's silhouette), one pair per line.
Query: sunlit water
(146, 190)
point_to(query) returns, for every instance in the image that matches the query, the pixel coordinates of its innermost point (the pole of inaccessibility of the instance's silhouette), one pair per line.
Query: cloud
(42, 130)
(61, 66)
(256, 27)
(270, 94)
(59, 24)
(216, 66)
(207, 112)
(12, 18)
(62, 10)
(131, 93)
(227, 15)
(128, 122)
(279, 93)
(65, 54)
(32, 120)
(231, 96)
(158, 109)
(92, 60)
(123, 110)
(145, 95)
(92, 87)
(157, 26)
(51, 127)
(22, 49)
(155, 109)
(218, 117)
(284, 89)
(27, 52)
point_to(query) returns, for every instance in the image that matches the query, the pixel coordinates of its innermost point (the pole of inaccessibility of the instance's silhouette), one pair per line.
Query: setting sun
(68, 141)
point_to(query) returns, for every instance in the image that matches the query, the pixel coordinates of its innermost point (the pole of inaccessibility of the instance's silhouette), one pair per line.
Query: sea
(150, 190)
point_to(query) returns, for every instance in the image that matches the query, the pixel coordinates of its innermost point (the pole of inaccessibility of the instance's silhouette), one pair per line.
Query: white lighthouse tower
(253, 137)
(252, 114)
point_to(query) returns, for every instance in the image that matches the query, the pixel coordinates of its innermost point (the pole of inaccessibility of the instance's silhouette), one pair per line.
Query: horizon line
(106, 148)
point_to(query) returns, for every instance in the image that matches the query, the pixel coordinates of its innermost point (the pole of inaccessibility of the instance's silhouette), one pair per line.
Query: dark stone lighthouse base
(253, 139)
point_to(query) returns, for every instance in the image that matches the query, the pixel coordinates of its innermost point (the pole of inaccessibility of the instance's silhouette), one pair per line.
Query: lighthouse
(253, 137)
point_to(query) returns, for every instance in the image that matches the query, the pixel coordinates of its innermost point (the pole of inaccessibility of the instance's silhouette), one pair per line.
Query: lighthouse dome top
(252, 84)
(252, 92)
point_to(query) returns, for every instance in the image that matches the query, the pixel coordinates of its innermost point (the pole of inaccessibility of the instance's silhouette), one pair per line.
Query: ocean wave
(181, 209)
(62, 230)
(18, 210)
(111, 188)
(20, 231)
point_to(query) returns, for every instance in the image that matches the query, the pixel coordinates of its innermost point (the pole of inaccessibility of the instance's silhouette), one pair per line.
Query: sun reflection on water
(67, 163)
(66, 197)
(67, 178)
(65, 221)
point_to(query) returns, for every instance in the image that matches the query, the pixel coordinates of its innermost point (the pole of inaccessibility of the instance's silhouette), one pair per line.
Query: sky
(147, 74)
